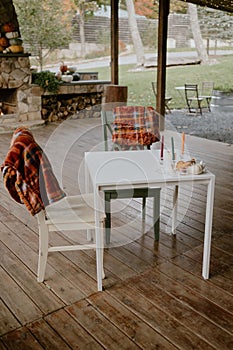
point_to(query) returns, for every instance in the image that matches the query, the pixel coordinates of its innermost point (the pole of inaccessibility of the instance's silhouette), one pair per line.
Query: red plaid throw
(135, 125)
(28, 175)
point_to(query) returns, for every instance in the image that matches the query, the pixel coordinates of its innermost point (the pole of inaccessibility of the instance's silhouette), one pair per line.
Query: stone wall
(16, 89)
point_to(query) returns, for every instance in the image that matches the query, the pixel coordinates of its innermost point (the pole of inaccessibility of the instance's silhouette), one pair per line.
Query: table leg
(99, 241)
(107, 204)
(208, 228)
(174, 211)
(156, 214)
(87, 190)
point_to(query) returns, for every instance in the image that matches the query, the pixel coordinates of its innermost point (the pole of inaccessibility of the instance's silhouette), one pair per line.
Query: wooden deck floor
(154, 298)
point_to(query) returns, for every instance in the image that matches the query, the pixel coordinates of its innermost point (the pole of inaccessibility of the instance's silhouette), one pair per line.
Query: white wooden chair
(70, 213)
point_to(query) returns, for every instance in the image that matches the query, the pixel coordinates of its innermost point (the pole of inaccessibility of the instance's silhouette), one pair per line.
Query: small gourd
(8, 27)
(16, 41)
(4, 42)
(15, 49)
(11, 35)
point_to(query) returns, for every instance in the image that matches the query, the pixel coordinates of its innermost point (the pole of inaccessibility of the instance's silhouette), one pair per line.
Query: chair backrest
(207, 88)
(113, 96)
(191, 91)
(135, 126)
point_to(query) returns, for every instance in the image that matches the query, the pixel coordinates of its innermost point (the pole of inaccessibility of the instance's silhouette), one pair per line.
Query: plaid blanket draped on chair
(135, 126)
(28, 174)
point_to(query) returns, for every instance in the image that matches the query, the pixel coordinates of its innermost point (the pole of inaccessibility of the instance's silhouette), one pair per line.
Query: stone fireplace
(22, 102)
(17, 97)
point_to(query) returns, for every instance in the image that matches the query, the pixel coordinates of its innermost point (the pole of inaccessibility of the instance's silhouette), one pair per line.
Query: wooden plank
(8, 322)
(214, 303)
(71, 332)
(171, 328)
(47, 336)
(119, 330)
(63, 288)
(43, 297)
(206, 288)
(21, 339)
(187, 318)
(16, 300)
(149, 315)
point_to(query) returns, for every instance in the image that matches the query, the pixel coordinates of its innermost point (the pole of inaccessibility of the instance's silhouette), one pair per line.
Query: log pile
(60, 107)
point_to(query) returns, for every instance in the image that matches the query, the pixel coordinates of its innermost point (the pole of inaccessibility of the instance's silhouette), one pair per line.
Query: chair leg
(100, 260)
(189, 106)
(143, 209)
(43, 247)
(107, 202)
(199, 106)
(156, 214)
(208, 103)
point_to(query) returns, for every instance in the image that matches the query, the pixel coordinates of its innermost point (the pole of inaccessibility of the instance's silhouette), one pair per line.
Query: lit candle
(182, 144)
(162, 147)
(173, 149)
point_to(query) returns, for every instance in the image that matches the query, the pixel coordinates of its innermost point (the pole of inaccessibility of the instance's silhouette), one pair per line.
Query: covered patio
(154, 294)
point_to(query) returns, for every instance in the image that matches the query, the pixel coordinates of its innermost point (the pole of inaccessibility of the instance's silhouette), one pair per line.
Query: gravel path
(213, 126)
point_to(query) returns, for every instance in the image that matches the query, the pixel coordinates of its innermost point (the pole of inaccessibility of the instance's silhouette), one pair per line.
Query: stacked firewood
(60, 107)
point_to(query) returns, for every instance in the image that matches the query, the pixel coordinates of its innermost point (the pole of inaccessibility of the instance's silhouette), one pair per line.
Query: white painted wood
(70, 213)
(126, 169)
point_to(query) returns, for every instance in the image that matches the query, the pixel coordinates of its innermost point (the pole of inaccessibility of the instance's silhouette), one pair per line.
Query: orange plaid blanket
(28, 175)
(135, 125)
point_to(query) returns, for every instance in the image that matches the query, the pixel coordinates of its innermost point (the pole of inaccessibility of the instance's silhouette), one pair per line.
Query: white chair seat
(72, 209)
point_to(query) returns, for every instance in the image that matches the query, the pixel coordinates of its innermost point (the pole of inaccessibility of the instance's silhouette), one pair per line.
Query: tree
(150, 8)
(137, 42)
(86, 8)
(194, 23)
(83, 8)
(43, 26)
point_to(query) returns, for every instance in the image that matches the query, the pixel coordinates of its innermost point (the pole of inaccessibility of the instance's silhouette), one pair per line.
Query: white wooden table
(127, 169)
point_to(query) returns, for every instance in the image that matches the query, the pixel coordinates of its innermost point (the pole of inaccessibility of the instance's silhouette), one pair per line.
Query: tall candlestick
(173, 149)
(162, 148)
(182, 142)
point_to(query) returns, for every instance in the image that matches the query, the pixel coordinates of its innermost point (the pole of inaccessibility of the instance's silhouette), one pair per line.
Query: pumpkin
(11, 35)
(4, 42)
(63, 68)
(8, 27)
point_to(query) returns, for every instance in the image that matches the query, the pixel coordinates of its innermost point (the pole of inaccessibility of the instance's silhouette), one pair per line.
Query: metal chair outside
(193, 100)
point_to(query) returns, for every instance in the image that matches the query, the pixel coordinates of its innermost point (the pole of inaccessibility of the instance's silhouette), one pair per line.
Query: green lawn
(139, 82)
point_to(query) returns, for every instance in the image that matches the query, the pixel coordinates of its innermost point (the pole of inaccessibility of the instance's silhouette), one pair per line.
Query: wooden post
(114, 41)
(162, 58)
(115, 93)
